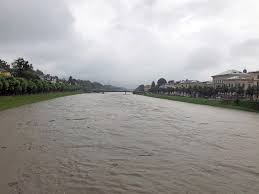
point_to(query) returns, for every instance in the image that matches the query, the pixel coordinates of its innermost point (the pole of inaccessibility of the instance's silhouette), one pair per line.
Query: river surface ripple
(115, 143)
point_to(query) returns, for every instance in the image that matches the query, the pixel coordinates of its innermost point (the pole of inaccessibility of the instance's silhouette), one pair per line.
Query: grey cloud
(247, 48)
(205, 8)
(204, 58)
(32, 20)
(130, 42)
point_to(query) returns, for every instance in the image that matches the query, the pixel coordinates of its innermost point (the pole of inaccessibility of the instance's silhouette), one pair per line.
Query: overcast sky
(129, 42)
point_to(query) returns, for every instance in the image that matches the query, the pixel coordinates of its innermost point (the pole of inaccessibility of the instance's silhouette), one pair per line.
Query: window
(257, 76)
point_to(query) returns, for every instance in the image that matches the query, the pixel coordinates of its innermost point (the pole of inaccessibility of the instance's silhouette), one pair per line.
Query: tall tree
(140, 88)
(4, 65)
(153, 88)
(161, 82)
(71, 80)
(22, 68)
(153, 85)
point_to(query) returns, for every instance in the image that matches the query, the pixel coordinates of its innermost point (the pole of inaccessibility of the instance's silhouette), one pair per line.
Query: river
(116, 143)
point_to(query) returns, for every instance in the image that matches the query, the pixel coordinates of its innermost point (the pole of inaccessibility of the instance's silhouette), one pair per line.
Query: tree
(140, 88)
(153, 85)
(39, 72)
(32, 88)
(39, 85)
(96, 85)
(225, 89)
(4, 65)
(161, 82)
(251, 91)
(232, 90)
(257, 90)
(1, 86)
(71, 80)
(5, 87)
(27, 81)
(23, 84)
(240, 90)
(22, 68)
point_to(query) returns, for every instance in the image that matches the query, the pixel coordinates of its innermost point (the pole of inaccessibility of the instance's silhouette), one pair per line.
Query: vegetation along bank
(21, 84)
(20, 78)
(241, 94)
(251, 106)
(7, 102)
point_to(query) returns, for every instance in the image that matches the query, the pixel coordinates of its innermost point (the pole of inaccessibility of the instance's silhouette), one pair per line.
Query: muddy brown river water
(115, 143)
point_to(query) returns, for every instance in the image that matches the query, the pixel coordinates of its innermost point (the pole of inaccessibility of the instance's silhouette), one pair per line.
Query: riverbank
(242, 105)
(7, 102)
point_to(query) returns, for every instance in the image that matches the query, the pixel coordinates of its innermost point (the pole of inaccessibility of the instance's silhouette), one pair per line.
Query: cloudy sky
(128, 42)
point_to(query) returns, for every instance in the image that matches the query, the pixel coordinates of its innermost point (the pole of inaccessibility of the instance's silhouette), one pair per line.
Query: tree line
(25, 80)
(201, 90)
(19, 86)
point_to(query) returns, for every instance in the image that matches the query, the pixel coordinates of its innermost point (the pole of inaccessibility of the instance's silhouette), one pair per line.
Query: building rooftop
(254, 71)
(229, 72)
(235, 77)
(188, 81)
(240, 77)
(208, 82)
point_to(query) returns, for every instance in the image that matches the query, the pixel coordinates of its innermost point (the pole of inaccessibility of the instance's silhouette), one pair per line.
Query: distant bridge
(106, 91)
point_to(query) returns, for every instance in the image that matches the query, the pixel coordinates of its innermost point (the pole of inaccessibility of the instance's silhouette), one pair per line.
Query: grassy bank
(242, 105)
(7, 102)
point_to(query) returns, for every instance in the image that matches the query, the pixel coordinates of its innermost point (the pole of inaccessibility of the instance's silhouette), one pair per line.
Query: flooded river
(115, 143)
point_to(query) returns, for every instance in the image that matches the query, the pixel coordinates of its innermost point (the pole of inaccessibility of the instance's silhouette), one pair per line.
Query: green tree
(232, 90)
(4, 65)
(5, 86)
(153, 85)
(22, 68)
(161, 82)
(23, 84)
(240, 90)
(140, 88)
(1, 86)
(32, 88)
(39, 85)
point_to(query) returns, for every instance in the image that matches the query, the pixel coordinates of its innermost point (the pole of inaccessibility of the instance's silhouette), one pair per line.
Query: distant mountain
(89, 86)
(114, 88)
